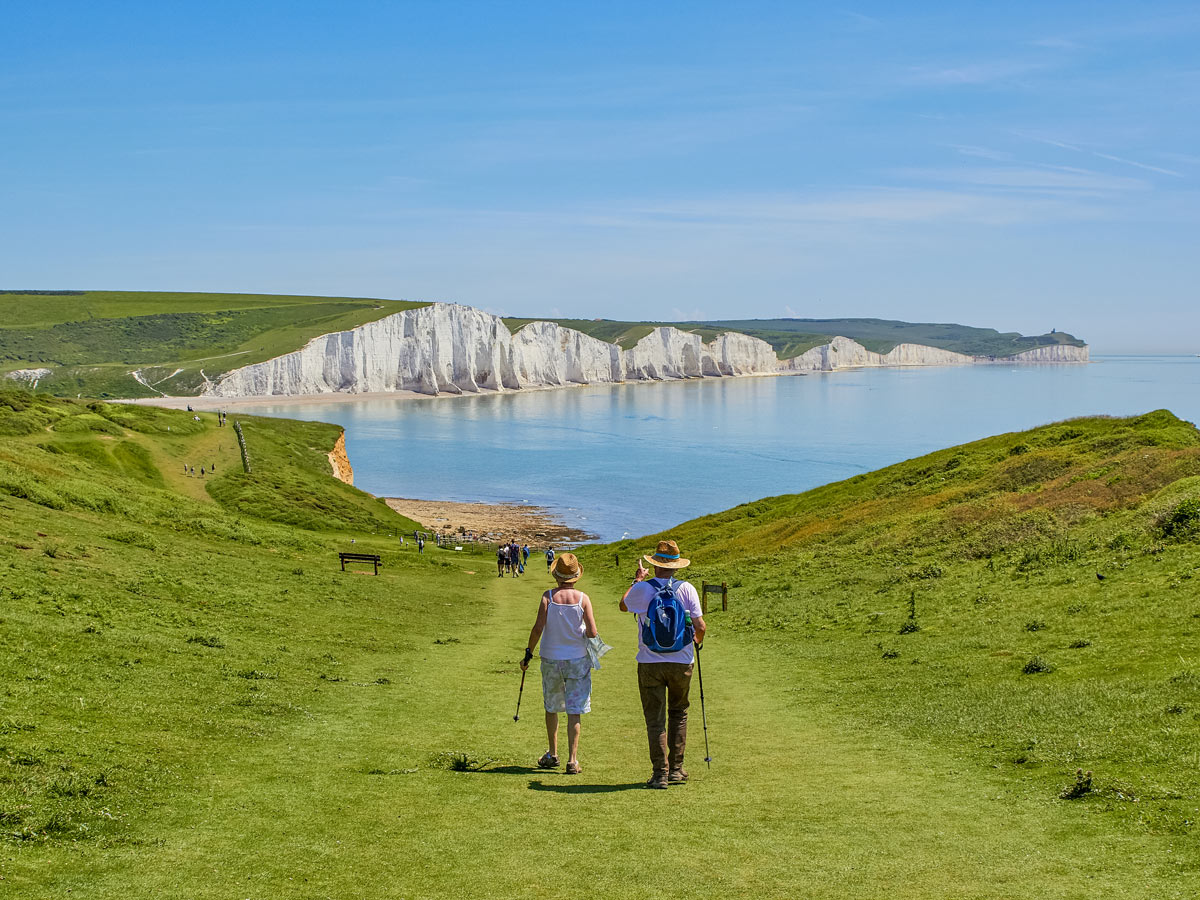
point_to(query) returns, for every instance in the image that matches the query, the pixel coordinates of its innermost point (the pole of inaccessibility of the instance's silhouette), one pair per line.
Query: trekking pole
(528, 657)
(703, 717)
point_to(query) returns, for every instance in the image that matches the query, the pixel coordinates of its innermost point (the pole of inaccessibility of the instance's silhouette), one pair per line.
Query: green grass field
(93, 340)
(198, 703)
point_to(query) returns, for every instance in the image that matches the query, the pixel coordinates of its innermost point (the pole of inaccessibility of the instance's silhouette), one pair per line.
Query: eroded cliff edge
(450, 348)
(339, 461)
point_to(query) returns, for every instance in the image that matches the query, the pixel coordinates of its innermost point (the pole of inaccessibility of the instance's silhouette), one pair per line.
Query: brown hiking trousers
(664, 688)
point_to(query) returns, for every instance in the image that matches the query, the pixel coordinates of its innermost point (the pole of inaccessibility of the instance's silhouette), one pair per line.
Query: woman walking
(564, 623)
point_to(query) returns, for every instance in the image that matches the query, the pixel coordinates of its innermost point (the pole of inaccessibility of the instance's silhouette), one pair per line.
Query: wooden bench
(360, 557)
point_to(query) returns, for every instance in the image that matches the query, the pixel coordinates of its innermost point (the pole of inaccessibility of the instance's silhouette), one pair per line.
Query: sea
(633, 459)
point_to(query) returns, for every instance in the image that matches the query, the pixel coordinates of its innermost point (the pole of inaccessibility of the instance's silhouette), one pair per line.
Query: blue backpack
(666, 626)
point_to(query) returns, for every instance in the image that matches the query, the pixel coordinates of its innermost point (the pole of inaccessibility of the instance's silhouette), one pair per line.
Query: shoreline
(208, 403)
(536, 526)
(205, 403)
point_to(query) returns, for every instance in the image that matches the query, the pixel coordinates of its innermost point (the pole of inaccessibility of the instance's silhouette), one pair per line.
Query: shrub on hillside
(1182, 520)
(85, 422)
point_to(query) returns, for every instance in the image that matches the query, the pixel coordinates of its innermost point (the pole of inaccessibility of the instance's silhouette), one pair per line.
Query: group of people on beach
(511, 558)
(670, 632)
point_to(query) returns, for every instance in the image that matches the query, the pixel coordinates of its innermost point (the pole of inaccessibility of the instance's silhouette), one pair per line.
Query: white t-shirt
(638, 601)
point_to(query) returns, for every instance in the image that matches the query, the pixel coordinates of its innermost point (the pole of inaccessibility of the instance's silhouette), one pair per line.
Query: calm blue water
(605, 458)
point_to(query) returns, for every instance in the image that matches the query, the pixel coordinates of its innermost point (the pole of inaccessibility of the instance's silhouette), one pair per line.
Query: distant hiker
(549, 558)
(670, 622)
(525, 555)
(185, 468)
(420, 545)
(189, 407)
(565, 619)
(501, 559)
(514, 559)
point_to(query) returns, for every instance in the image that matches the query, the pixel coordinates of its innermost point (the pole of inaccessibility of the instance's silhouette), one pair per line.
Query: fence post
(724, 597)
(237, 427)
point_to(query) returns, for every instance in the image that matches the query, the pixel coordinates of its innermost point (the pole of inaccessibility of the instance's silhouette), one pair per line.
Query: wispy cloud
(1055, 43)
(982, 152)
(1101, 155)
(980, 73)
(860, 21)
(1056, 178)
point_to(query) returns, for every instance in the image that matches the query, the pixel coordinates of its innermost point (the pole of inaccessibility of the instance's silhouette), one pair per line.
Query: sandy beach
(532, 525)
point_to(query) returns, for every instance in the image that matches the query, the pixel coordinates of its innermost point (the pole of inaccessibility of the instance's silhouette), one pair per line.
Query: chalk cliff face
(449, 348)
(843, 353)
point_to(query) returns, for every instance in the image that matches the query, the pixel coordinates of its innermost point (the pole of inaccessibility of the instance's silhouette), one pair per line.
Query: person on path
(664, 678)
(525, 555)
(420, 544)
(565, 620)
(549, 558)
(501, 559)
(514, 559)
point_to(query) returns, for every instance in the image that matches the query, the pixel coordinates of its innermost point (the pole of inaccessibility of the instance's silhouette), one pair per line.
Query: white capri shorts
(567, 685)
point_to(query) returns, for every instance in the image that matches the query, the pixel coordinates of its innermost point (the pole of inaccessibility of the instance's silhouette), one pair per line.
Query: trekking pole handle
(528, 657)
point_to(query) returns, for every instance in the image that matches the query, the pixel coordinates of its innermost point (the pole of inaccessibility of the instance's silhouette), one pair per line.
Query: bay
(635, 459)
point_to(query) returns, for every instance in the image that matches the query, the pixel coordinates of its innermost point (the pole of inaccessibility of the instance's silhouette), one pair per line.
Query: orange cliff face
(340, 462)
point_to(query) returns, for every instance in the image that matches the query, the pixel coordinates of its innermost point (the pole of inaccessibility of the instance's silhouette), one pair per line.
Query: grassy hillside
(1027, 603)
(92, 340)
(791, 337)
(189, 679)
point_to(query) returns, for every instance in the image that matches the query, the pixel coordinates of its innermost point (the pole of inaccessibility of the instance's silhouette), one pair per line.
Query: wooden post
(706, 589)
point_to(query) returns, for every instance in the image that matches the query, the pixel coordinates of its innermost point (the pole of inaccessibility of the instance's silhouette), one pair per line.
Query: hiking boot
(548, 761)
(657, 782)
(679, 776)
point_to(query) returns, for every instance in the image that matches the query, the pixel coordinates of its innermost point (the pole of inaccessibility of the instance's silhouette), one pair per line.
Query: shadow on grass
(585, 788)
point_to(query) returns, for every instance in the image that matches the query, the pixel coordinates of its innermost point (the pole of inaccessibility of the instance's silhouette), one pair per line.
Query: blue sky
(1021, 166)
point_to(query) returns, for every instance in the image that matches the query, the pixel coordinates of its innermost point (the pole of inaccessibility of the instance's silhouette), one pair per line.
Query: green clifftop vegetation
(913, 665)
(92, 340)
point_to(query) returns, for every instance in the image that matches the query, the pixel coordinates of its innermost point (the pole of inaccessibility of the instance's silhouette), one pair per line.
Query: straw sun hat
(566, 568)
(667, 556)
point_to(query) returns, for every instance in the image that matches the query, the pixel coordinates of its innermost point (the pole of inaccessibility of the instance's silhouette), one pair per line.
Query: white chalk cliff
(449, 348)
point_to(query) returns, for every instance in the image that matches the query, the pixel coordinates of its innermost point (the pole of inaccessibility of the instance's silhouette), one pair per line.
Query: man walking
(670, 622)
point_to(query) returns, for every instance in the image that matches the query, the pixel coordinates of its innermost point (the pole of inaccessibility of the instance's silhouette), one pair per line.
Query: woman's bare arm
(539, 625)
(589, 618)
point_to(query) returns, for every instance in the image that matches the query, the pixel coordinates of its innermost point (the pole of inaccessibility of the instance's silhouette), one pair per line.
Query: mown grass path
(345, 802)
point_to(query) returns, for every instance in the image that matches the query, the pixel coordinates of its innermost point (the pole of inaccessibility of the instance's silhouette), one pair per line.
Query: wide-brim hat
(567, 568)
(667, 556)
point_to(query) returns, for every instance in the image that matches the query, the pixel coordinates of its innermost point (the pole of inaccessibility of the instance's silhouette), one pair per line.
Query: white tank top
(563, 637)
